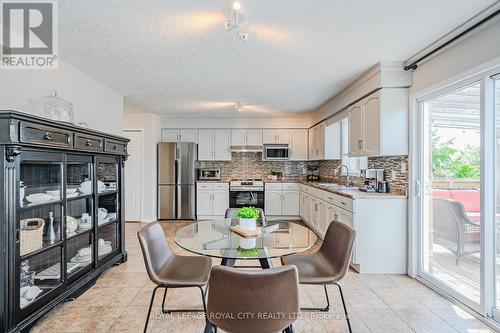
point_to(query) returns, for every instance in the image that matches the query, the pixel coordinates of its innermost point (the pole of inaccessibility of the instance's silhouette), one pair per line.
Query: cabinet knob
(48, 136)
(115, 147)
(88, 143)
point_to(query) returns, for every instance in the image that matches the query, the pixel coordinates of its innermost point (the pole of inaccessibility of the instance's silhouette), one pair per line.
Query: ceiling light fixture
(238, 107)
(233, 18)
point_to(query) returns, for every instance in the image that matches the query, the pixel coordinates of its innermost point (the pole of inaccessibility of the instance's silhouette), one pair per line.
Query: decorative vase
(248, 224)
(248, 243)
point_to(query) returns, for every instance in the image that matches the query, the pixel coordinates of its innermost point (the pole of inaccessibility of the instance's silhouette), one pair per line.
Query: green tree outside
(450, 162)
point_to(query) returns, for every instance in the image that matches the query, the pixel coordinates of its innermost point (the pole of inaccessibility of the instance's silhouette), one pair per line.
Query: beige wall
(478, 48)
(151, 126)
(93, 103)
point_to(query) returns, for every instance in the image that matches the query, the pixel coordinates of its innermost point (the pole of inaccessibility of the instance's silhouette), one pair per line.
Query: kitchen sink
(338, 186)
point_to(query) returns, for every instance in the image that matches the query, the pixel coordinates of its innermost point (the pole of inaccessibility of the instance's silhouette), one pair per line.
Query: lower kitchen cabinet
(212, 200)
(281, 199)
(380, 224)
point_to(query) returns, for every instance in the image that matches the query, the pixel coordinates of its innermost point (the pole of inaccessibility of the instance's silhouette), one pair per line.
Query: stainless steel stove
(246, 192)
(246, 185)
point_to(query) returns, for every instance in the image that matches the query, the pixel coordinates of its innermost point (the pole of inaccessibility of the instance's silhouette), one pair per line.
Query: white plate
(72, 195)
(38, 197)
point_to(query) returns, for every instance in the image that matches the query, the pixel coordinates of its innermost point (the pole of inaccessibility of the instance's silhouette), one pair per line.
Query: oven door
(238, 199)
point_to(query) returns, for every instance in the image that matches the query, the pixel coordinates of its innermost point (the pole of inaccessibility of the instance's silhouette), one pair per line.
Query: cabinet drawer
(115, 147)
(273, 186)
(290, 186)
(44, 135)
(205, 186)
(330, 198)
(344, 203)
(221, 186)
(88, 142)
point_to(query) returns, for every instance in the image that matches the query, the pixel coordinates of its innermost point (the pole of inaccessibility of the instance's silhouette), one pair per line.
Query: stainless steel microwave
(209, 174)
(276, 153)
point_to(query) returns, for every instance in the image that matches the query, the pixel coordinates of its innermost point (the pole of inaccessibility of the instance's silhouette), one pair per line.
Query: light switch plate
(393, 174)
(403, 167)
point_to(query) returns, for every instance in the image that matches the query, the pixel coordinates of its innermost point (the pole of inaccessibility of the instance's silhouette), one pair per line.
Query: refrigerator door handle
(179, 202)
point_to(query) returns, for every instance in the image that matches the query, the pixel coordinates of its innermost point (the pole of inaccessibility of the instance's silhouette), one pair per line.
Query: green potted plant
(248, 218)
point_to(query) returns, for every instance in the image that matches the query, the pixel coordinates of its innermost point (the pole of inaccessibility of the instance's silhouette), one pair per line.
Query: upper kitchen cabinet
(333, 141)
(214, 145)
(184, 135)
(298, 145)
(317, 142)
(276, 136)
(242, 137)
(378, 124)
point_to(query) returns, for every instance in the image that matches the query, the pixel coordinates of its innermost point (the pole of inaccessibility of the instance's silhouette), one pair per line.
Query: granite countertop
(213, 181)
(355, 193)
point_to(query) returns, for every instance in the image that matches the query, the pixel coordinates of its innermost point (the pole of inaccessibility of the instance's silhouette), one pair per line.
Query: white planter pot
(248, 243)
(248, 224)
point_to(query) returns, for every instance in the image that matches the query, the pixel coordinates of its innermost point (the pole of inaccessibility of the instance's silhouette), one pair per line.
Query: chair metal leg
(345, 308)
(325, 309)
(166, 311)
(150, 308)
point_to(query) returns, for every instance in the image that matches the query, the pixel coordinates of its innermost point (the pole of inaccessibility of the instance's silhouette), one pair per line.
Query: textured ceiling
(174, 56)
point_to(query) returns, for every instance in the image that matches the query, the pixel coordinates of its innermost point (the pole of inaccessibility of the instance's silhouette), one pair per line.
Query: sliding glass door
(457, 191)
(451, 158)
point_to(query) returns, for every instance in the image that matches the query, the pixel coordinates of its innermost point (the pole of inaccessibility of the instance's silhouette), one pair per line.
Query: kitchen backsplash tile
(251, 165)
(388, 163)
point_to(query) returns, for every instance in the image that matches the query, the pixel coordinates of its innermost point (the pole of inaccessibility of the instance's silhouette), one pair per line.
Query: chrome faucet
(349, 182)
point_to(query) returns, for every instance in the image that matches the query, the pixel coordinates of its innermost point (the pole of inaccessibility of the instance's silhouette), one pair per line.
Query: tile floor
(118, 302)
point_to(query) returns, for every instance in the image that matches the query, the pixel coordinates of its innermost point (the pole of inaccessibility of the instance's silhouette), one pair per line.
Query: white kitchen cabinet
(184, 135)
(333, 141)
(254, 137)
(222, 143)
(290, 205)
(275, 136)
(281, 199)
(378, 124)
(238, 137)
(206, 145)
(242, 137)
(212, 199)
(299, 145)
(325, 141)
(204, 202)
(272, 202)
(169, 135)
(214, 145)
(380, 224)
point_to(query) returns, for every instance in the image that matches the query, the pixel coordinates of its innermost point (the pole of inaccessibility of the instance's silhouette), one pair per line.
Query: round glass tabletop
(214, 238)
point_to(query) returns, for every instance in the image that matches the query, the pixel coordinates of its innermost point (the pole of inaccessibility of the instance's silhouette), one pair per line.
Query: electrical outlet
(393, 174)
(335, 172)
(404, 167)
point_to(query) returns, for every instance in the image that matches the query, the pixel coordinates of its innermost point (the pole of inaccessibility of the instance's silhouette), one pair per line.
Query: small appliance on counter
(208, 174)
(312, 173)
(372, 179)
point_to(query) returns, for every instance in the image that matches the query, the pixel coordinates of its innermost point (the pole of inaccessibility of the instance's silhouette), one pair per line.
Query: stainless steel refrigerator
(176, 181)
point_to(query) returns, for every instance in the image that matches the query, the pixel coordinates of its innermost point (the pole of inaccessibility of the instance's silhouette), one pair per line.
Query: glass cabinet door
(79, 214)
(107, 169)
(40, 225)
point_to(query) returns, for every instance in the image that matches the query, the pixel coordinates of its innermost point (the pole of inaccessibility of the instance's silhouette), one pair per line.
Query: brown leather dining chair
(329, 265)
(169, 270)
(243, 301)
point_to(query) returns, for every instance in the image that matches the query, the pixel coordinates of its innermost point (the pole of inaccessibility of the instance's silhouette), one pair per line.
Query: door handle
(417, 188)
(48, 136)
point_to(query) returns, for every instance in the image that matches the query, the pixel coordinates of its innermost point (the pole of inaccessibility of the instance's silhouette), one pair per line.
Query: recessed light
(236, 5)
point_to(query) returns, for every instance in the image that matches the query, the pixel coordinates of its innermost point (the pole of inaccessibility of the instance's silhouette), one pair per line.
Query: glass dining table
(215, 238)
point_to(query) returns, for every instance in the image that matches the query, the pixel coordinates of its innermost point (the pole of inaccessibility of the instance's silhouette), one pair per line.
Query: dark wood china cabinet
(61, 213)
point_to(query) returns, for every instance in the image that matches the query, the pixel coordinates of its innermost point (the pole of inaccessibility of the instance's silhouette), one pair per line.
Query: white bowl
(70, 190)
(38, 197)
(102, 213)
(54, 193)
(86, 187)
